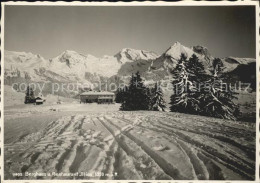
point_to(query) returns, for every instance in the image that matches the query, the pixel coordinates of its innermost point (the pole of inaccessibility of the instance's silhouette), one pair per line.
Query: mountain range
(70, 66)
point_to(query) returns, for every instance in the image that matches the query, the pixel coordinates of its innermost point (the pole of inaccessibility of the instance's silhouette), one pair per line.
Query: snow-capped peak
(177, 43)
(129, 54)
(201, 50)
(74, 56)
(69, 53)
(177, 49)
(23, 58)
(69, 57)
(235, 60)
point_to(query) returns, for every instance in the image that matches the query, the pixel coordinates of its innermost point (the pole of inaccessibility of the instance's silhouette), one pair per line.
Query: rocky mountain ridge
(71, 66)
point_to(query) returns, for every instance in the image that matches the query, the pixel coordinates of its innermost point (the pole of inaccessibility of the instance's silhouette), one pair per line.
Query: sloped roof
(97, 93)
(104, 97)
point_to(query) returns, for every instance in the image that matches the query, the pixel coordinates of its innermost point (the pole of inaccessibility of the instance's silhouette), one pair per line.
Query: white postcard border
(145, 3)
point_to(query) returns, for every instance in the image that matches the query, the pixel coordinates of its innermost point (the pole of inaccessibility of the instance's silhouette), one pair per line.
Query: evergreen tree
(217, 97)
(125, 101)
(195, 69)
(184, 98)
(211, 98)
(128, 99)
(120, 94)
(137, 95)
(157, 101)
(29, 95)
(142, 94)
(32, 97)
(217, 65)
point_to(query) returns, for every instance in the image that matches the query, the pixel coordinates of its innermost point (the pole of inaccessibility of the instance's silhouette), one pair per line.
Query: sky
(50, 30)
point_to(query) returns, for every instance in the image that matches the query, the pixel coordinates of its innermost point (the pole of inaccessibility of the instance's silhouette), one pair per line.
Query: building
(98, 97)
(38, 101)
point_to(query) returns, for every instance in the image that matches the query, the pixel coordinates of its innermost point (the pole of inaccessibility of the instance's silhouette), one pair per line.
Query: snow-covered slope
(231, 63)
(75, 65)
(21, 64)
(129, 54)
(152, 145)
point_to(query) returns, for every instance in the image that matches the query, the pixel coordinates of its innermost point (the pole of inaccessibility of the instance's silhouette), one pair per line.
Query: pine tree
(197, 75)
(137, 95)
(217, 97)
(195, 69)
(217, 65)
(125, 100)
(119, 95)
(128, 99)
(184, 92)
(142, 94)
(211, 98)
(157, 101)
(32, 98)
(29, 95)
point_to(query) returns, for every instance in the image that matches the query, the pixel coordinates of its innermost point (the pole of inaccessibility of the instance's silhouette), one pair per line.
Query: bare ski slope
(134, 145)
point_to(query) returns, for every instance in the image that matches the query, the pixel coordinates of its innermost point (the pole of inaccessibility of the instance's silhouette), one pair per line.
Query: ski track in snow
(139, 145)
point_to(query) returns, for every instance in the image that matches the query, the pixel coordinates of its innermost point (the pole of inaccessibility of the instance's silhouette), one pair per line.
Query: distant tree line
(194, 91)
(136, 96)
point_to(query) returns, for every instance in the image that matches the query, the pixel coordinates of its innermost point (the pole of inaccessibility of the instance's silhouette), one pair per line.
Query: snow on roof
(38, 98)
(104, 97)
(97, 93)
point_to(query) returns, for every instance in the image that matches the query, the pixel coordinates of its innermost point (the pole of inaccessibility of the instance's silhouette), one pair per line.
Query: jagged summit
(68, 54)
(176, 43)
(176, 50)
(203, 51)
(67, 57)
(129, 54)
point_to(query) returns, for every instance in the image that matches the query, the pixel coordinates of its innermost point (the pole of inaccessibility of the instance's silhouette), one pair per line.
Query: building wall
(94, 98)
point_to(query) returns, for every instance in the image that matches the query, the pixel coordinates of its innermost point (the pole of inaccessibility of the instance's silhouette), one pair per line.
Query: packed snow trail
(134, 145)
